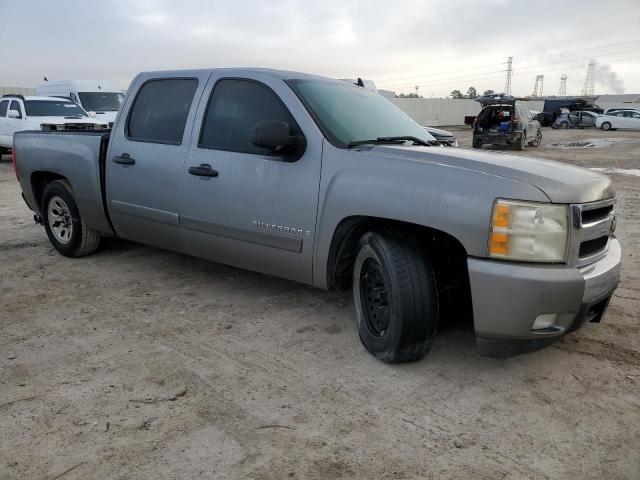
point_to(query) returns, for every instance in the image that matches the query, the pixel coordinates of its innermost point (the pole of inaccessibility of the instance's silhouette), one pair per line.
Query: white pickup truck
(19, 113)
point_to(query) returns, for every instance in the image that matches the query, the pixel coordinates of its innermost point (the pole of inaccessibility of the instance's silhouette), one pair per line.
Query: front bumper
(508, 297)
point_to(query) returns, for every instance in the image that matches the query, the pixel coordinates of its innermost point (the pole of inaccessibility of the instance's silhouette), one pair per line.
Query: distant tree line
(456, 94)
(471, 93)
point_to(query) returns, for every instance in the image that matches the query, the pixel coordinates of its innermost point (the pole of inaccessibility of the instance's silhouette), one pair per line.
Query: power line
(522, 69)
(517, 72)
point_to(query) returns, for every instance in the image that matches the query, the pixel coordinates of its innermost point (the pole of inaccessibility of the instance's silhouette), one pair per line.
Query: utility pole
(562, 90)
(507, 83)
(538, 87)
(590, 80)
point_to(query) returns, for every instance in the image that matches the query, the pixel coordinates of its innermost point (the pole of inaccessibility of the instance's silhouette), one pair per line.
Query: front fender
(454, 200)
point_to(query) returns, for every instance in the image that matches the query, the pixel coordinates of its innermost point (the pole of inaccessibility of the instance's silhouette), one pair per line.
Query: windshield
(347, 113)
(101, 101)
(53, 108)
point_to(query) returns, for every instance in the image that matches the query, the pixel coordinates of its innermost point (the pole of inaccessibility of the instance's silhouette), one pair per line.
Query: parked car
(19, 113)
(577, 119)
(609, 111)
(502, 122)
(100, 96)
(444, 137)
(623, 119)
(555, 106)
(329, 184)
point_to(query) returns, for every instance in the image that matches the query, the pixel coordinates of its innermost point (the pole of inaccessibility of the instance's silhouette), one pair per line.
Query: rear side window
(16, 106)
(4, 107)
(234, 109)
(159, 112)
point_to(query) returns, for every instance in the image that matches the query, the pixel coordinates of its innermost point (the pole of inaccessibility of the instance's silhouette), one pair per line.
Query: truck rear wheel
(65, 228)
(395, 296)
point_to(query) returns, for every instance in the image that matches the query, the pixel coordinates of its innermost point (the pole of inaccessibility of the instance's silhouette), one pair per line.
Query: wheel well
(447, 254)
(39, 181)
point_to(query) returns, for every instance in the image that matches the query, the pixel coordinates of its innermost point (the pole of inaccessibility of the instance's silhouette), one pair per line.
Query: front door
(244, 205)
(146, 158)
(5, 136)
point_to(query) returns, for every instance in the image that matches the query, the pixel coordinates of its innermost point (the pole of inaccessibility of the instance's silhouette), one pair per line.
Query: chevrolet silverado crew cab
(329, 184)
(19, 113)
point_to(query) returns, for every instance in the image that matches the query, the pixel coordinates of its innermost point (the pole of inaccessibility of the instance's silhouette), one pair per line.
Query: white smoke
(606, 77)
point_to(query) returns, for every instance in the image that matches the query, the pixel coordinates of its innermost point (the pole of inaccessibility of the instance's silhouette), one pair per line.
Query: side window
(635, 114)
(4, 106)
(73, 97)
(159, 112)
(16, 106)
(234, 109)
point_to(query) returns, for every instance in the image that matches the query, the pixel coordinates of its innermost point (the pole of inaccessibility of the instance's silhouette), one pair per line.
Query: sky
(438, 46)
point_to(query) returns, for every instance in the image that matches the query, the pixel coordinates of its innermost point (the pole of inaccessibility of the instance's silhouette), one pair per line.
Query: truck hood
(63, 120)
(560, 182)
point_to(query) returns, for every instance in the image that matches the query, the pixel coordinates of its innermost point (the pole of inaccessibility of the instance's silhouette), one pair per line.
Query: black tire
(476, 143)
(606, 126)
(80, 239)
(522, 142)
(395, 295)
(537, 141)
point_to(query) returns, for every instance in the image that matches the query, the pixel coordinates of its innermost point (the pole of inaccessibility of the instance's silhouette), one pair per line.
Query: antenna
(562, 90)
(507, 83)
(538, 87)
(590, 80)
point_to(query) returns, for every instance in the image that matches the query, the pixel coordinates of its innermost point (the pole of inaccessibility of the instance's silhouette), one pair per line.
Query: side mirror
(274, 135)
(92, 114)
(14, 114)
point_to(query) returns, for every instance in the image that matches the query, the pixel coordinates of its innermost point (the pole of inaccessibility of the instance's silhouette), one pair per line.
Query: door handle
(204, 170)
(124, 159)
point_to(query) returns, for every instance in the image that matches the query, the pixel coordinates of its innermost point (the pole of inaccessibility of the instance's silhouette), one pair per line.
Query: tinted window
(235, 107)
(53, 108)
(4, 106)
(16, 106)
(160, 110)
(101, 101)
(347, 113)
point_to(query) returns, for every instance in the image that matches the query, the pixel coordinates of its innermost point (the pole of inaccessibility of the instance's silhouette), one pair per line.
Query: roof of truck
(284, 74)
(34, 97)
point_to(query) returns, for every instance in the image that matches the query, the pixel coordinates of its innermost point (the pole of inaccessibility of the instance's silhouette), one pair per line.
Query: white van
(100, 96)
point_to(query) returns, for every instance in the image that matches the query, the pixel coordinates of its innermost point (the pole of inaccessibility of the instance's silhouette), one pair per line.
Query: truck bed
(77, 156)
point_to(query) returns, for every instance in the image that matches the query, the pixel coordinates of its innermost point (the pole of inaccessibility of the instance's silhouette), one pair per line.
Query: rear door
(259, 210)
(146, 156)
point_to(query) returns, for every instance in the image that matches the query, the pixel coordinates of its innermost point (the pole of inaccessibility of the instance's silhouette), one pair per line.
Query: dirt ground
(138, 363)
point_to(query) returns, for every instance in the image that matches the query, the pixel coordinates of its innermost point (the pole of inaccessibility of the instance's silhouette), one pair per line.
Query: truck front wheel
(395, 296)
(65, 228)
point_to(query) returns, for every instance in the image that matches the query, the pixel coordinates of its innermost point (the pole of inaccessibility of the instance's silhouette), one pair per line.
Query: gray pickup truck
(329, 184)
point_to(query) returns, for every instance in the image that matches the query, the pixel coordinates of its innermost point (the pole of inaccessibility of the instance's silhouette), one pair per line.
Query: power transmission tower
(538, 87)
(590, 80)
(562, 90)
(507, 84)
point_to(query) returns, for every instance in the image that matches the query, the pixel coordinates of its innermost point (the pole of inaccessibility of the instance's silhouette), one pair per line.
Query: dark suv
(502, 122)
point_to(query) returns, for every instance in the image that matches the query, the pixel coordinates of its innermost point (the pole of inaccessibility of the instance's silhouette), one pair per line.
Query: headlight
(527, 231)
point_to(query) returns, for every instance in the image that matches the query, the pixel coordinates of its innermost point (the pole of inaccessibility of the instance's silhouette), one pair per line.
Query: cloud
(439, 45)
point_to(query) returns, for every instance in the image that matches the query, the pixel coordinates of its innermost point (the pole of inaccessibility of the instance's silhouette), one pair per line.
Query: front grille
(591, 247)
(597, 214)
(593, 225)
